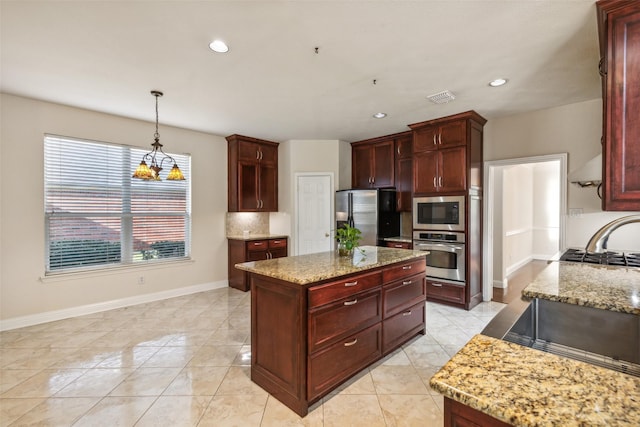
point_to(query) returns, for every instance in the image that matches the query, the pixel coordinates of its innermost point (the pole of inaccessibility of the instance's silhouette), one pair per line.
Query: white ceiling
(107, 56)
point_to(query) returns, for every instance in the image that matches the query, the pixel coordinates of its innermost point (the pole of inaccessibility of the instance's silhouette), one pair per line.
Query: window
(97, 216)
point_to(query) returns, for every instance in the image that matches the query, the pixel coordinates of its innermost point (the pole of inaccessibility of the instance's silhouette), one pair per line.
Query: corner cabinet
(252, 250)
(619, 30)
(373, 163)
(443, 153)
(252, 174)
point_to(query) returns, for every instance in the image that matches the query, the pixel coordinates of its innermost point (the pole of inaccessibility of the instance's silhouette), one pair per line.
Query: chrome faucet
(598, 242)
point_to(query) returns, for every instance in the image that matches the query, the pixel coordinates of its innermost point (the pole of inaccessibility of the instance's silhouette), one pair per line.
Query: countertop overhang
(312, 268)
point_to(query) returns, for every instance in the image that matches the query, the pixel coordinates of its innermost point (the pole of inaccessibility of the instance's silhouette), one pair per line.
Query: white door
(314, 213)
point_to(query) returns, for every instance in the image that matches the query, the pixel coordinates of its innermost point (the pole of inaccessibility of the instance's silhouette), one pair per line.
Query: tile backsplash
(254, 222)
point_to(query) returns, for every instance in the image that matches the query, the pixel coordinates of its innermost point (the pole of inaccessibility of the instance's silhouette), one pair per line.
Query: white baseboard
(501, 283)
(513, 267)
(50, 316)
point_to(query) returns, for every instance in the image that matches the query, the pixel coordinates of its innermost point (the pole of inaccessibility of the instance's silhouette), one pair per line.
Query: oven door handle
(440, 246)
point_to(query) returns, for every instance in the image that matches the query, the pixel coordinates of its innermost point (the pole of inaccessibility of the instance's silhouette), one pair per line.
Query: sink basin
(599, 337)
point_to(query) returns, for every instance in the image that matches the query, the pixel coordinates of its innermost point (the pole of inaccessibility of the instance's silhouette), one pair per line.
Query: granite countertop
(252, 236)
(526, 387)
(307, 269)
(598, 286)
(401, 239)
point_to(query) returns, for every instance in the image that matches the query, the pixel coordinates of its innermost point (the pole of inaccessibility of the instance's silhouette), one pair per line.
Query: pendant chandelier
(151, 172)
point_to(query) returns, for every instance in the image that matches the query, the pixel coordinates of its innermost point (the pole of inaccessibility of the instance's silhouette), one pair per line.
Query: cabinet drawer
(404, 270)
(324, 294)
(278, 243)
(399, 245)
(342, 318)
(403, 325)
(402, 294)
(445, 291)
(331, 366)
(257, 245)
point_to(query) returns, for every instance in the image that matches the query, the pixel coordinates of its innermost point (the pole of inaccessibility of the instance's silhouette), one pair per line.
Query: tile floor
(186, 362)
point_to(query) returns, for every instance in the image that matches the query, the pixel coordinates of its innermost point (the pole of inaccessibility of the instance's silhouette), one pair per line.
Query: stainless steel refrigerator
(373, 212)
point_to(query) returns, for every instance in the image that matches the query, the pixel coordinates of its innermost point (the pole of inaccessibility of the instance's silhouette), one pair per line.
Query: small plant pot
(343, 251)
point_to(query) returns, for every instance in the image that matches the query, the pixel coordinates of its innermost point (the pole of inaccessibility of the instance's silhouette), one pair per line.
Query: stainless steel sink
(599, 337)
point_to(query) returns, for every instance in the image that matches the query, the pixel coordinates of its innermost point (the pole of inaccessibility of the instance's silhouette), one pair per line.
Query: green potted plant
(348, 238)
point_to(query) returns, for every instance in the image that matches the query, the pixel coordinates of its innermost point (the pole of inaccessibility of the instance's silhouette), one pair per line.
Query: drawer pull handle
(349, 344)
(351, 283)
(407, 282)
(437, 285)
(406, 267)
(397, 246)
(258, 244)
(407, 313)
(276, 242)
(352, 302)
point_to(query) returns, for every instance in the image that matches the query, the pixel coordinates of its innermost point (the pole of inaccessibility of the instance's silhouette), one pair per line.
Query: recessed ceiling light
(497, 82)
(380, 115)
(219, 46)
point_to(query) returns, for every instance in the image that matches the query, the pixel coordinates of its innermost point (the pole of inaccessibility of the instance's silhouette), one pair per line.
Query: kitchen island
(318, 319)
(491, 382)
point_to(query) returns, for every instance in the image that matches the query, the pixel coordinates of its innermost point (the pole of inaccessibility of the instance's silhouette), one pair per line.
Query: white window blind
(97, 216)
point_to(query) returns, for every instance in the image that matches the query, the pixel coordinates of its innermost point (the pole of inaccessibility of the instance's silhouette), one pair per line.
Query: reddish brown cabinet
(240, 250)
(457, 414)
(373, 164)
(399, 245)
(444, 153)
(404, 171)
(308, 339)
(252, 174)
(619, 28)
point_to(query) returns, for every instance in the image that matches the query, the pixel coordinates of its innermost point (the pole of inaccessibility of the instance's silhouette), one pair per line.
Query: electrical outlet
(141, 280)
(575, 212)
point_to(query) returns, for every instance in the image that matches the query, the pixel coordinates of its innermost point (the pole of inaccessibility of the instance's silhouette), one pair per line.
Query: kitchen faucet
(598, 242)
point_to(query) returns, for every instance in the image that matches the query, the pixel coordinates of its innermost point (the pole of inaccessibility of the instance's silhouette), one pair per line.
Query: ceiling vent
(441, 97)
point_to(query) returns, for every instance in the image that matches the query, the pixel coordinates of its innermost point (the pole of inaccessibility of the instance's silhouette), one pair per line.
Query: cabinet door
(453, 133)
(452, 169)
(362, 166)
(248, 151)
(404, 174)
(621, 149)
(268, 154)
(278, 252)
(425, 139)
(248, 186)
(268, 194)
(425, 171)
(404, 147)
(383, 164)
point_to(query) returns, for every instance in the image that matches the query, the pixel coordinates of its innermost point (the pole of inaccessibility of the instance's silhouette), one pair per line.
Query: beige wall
(574, 129)
(22, 292)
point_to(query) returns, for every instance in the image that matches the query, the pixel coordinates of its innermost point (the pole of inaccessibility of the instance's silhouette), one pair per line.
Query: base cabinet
(307, 340)
(458, 415)
(251, 250)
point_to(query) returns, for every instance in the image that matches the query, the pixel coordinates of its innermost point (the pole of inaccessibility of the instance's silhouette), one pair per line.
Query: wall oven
(446, 258)
(438, 213)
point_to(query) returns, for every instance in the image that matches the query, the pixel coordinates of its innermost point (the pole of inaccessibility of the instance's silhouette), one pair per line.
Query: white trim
(489, 184)
(518, 231)
(503, 284)
(296, 177)
(513, 267)
(50, 316)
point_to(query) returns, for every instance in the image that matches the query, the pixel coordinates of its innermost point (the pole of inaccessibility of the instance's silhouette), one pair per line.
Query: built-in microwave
(438, 213)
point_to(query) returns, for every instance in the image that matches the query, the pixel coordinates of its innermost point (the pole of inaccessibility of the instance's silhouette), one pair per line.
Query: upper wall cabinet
(373, 163)
(404, 170)
(447, 154)
(619, 29)
(252, 174)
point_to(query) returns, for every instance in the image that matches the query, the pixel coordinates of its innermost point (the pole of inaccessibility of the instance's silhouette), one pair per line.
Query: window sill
(110, 271)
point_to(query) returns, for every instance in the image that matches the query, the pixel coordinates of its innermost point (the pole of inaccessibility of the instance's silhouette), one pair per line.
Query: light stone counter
(597, 286)
(306, 269)
(526, 387)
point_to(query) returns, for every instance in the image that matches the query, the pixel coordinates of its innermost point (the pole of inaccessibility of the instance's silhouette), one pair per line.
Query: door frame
(296, 207)
(488, 204)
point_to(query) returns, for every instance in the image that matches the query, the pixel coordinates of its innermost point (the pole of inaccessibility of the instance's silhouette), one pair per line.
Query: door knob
(326, 234)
